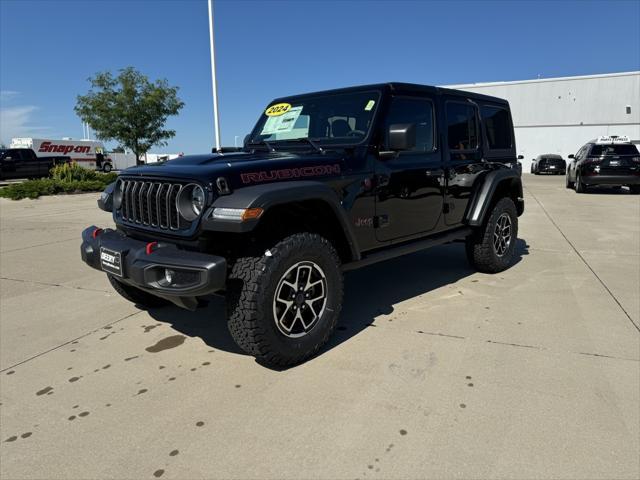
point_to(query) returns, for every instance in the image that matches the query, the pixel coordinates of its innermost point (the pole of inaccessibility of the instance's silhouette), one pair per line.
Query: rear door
(463, 155)
(410, 186)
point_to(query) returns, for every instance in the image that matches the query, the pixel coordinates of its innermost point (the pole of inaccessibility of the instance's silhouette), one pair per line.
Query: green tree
(129, 109)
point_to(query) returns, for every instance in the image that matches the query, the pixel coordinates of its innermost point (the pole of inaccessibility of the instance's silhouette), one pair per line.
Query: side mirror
(520, 157)
(572, 156)
(402, 136)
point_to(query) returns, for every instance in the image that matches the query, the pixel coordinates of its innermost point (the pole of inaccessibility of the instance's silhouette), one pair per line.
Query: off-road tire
(580, 186)
(135, 295)
(567, 182)
(252, 285)
(480, 250)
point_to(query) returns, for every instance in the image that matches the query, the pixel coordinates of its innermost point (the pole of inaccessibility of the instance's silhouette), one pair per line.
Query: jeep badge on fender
(326, 182)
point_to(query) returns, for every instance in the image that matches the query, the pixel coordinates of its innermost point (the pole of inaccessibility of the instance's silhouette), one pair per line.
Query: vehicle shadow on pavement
(368, 293)
(603, 190)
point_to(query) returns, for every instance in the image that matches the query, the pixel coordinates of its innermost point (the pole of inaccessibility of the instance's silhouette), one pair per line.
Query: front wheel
(567, 182)
(580, 186)
(283, 306)
(492, 247)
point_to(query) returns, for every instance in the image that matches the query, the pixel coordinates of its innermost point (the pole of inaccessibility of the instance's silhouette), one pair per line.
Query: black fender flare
(485, 190)
(269, 195)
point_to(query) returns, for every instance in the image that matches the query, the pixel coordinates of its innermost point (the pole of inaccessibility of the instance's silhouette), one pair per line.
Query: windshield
(331, 119)
(622, 149)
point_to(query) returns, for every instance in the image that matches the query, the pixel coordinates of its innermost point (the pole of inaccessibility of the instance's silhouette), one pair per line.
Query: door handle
(434, 173)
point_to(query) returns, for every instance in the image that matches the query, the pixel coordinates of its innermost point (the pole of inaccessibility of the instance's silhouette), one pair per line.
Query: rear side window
(498, 127)
(419, 112)
(462, 127)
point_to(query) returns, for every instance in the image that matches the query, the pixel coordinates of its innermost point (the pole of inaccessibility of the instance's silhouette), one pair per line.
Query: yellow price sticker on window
(277, 109)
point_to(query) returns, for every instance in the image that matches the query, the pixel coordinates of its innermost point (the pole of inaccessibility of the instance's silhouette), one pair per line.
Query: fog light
(169, 275)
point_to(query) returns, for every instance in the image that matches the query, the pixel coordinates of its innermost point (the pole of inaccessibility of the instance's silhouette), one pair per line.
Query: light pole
(214, 86)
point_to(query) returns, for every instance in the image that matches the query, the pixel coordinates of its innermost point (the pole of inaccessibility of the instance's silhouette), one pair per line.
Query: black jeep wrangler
(326, 182)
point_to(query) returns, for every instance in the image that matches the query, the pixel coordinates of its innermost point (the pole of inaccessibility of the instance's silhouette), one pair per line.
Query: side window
(418, 111)
(498, 127)
(462, 127)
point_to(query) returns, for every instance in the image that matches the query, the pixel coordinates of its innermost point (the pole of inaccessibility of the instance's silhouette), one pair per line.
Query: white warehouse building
(559, 115)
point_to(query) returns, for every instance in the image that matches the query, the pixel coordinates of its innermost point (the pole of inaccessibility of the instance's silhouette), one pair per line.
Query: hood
(244, 167)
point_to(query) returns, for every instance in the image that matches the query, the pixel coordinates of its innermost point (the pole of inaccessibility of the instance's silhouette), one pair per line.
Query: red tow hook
(96, 232)
(151, 246)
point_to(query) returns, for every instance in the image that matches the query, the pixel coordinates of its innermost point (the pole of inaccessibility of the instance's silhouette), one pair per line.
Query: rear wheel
(491, 248)
(135, 295)
(283, 306)
(107, 168)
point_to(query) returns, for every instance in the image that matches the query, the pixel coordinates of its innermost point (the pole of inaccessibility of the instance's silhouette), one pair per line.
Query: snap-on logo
(52, 147)
(266, 176)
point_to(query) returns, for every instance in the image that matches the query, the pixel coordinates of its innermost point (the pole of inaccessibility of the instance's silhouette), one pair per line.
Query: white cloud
(15, 120)
(6, 95)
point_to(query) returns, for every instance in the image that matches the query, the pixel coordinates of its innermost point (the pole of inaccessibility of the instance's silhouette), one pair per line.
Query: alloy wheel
(300, 299)
(502, 235)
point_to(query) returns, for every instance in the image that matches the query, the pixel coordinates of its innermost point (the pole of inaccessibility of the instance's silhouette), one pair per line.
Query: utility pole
(214, 86)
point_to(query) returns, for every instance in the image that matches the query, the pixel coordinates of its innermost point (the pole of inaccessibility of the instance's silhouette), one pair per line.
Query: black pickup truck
(326, 182)
(24, 163)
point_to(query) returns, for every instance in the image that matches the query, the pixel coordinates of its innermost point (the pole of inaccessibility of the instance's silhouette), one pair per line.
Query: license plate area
(111, 261)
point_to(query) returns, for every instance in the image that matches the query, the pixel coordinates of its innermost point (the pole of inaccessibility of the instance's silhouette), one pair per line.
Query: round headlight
(117, 194)
(191, 201)
(197, 199)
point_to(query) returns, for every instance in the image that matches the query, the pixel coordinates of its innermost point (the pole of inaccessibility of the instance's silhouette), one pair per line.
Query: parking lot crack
(604, 285)
(70, 341)
(53, 284)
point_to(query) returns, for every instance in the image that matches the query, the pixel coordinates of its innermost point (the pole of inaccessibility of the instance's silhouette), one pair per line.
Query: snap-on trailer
(87, 153)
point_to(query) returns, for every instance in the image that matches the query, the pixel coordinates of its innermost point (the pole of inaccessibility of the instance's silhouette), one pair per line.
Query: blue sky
(267, 49)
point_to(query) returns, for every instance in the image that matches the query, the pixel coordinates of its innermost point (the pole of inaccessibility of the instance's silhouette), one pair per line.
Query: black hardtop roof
(406, 88)
(550, 155)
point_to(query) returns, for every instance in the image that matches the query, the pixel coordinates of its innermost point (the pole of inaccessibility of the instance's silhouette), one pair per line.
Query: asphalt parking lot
(435, 371)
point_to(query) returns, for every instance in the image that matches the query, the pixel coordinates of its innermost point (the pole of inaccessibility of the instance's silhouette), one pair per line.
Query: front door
(410, 186)
(28, 166)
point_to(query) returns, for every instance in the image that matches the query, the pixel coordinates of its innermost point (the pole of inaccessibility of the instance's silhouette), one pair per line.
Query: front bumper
(611, 179)
(206, 273)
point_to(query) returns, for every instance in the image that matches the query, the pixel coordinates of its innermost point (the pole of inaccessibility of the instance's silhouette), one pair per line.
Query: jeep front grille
(151, 203)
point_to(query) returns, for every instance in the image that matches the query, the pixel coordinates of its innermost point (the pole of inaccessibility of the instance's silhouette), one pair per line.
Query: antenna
(214, 86)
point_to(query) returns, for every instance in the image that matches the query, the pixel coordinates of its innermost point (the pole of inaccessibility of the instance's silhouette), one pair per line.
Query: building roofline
(541, 80)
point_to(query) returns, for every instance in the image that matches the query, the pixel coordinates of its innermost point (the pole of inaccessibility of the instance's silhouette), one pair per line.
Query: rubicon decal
(267, 176)
(52, 147)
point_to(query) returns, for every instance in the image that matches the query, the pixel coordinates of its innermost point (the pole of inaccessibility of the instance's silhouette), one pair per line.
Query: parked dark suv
(606, 161)
(549, 163)
(24, 163)
(326, 182)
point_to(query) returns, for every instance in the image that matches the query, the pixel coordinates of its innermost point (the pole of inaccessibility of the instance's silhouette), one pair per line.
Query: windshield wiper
(263, 142)
(318, 148)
